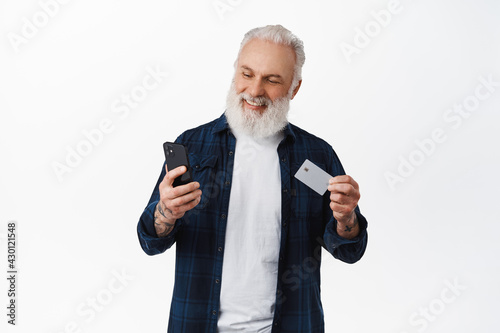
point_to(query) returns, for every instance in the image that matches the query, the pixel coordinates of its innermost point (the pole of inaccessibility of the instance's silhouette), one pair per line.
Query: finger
(181, 190)
(182, 200)
(343, 201)
(338, 198)
(341, 210)
(346, 189)
(171, 175)
(190, 203)
(344, 179)
(167, 179)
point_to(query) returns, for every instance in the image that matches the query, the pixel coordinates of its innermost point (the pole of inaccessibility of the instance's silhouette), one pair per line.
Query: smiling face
(264, 73)
(259, 97)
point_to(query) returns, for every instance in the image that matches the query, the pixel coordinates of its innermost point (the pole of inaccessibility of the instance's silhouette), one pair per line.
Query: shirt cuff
(347, 250)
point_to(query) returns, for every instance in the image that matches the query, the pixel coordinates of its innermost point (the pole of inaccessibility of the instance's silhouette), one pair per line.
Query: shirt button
(227, 183)
(219, 249)
(283, 159)
(285, 190)
(231, 153)
(217, 281)
(223, 216)
(284, 224)
(214, 312)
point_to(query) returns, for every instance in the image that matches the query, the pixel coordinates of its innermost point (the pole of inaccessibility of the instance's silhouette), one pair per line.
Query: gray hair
(279, 35)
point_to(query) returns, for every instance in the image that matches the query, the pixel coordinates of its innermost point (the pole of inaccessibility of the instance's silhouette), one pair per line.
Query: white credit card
(314, 177)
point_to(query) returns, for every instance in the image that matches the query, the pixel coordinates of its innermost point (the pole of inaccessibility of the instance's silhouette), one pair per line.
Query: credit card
(314, 177)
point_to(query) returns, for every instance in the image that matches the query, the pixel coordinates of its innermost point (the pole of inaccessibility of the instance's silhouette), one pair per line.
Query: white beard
(254, 123)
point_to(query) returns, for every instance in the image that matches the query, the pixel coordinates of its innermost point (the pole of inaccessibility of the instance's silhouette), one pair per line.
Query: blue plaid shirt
(307, 226)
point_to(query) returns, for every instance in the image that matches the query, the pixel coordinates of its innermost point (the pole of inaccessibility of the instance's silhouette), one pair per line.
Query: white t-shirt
(253, 233)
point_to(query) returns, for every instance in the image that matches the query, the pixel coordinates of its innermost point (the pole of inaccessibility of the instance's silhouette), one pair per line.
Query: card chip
(313, 176)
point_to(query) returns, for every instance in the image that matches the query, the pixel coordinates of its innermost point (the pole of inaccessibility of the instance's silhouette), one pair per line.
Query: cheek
(239, 85)
(274, 94)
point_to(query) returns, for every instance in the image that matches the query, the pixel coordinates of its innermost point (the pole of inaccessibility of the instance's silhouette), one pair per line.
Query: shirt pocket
(203, 169)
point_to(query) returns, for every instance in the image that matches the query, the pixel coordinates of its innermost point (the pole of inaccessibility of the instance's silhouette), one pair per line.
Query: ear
(296, 89)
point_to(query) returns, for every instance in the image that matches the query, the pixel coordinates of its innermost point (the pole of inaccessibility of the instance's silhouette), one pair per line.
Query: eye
(247, 75)
(273, 81)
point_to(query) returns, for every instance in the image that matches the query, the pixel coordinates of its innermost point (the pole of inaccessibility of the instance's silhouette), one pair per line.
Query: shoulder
(311, 141)
(317, 150)
(201, 132)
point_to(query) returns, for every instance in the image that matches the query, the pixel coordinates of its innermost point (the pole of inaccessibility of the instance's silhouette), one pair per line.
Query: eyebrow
(266, 76)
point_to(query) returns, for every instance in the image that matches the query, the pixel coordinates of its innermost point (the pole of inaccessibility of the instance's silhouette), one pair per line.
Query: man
(248, 234)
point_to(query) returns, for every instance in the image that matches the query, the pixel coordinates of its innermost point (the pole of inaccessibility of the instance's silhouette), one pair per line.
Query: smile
(254, 103)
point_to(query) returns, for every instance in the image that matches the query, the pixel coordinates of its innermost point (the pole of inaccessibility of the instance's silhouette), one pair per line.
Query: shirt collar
(222, 125)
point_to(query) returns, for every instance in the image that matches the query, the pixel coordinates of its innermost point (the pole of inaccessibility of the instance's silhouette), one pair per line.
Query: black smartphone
(177, 155)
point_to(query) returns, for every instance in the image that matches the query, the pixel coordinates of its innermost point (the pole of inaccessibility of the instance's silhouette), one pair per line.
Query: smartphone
(177, 155)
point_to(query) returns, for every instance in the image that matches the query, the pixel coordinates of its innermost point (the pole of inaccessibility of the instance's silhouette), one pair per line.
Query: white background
(438, 227)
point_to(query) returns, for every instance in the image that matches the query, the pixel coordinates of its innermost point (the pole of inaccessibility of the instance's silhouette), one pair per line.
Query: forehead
(265, 57)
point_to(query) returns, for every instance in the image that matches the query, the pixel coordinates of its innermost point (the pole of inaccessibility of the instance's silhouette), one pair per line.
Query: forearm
(163, 221)
(146, 231)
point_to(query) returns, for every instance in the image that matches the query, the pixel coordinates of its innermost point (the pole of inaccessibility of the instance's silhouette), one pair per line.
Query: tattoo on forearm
(168, 229)
(162, 228)
(161, 211)
(355, 222)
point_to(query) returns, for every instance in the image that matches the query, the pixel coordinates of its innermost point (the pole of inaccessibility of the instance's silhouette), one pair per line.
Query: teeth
(252, 103)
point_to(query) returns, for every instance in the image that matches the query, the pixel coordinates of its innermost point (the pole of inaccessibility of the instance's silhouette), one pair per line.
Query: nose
(256, 88)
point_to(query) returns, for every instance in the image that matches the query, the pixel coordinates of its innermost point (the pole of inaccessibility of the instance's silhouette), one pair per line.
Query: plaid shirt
(307, 226)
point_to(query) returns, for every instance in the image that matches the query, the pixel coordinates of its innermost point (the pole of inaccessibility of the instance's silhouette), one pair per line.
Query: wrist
(163, 216)
(163, 225)
(349, 224)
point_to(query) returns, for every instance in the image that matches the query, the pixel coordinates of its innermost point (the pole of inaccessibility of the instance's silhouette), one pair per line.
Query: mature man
(248, 234)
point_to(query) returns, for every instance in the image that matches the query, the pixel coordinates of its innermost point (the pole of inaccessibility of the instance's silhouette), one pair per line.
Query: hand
(174, 201)
(344, 196)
